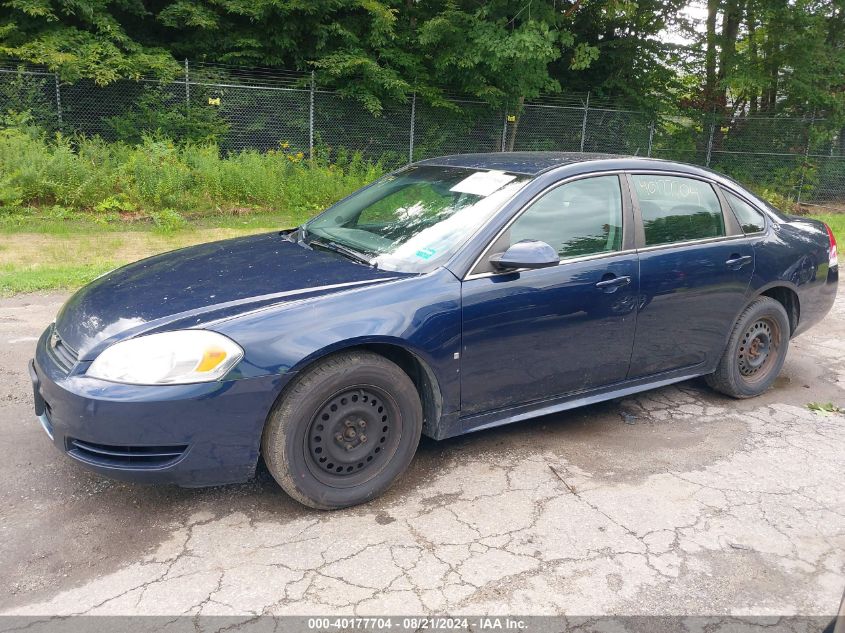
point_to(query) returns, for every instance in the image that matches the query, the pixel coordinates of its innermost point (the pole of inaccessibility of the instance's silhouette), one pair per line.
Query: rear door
(695, 270)
(535, 334)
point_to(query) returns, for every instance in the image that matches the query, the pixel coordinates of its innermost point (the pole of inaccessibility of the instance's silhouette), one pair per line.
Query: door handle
(610, 285)
(738, 261)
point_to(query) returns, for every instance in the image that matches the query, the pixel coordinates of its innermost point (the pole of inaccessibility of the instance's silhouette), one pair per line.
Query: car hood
(195, 285)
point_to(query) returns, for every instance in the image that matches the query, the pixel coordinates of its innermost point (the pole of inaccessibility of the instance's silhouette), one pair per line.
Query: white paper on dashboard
(483, 183)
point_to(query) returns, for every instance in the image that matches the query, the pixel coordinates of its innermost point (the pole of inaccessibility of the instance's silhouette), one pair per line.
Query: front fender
(419, 314)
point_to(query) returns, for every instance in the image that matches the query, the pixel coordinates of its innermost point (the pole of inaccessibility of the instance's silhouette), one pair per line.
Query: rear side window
(676, 209)
(750, 219)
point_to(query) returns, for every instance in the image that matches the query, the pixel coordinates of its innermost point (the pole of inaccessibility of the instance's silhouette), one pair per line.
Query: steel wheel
(758, 349)
(755, 352)
(344, 431)
(352, 435)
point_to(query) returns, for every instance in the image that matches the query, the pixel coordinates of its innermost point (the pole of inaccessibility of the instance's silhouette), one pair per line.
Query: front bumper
(192, 435)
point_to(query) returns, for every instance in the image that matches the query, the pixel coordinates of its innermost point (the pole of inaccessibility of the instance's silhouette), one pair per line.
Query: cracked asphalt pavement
(677, 501)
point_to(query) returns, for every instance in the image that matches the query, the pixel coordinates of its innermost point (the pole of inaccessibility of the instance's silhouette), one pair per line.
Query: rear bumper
(191, 435)
(816, 300)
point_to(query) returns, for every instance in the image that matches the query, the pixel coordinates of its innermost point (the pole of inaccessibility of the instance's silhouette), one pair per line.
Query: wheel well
(789, 300)
(420, 374)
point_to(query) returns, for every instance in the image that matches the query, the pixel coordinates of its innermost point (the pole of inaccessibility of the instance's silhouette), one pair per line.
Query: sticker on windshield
(426, 253)
(483, 183)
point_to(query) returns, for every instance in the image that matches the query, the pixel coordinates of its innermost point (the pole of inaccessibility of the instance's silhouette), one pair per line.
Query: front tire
(344, 432)
(755, 352)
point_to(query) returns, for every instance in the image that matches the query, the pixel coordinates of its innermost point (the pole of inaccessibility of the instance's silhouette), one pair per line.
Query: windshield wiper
(351, 253)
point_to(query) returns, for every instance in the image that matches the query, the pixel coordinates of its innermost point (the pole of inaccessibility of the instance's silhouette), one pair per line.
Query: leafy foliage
(159, 110)
(84, 38)
(161, 180)
(753, 56)
(824, 407)
(26, 98)
(373, 50)
(771, 57)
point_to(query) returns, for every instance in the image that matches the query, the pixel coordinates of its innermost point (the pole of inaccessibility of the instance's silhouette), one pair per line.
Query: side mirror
(526, 254)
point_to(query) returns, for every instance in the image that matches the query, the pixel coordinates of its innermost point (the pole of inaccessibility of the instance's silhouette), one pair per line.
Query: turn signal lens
(212, 357)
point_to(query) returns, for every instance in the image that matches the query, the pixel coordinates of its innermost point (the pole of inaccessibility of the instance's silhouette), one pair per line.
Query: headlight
(180, 357)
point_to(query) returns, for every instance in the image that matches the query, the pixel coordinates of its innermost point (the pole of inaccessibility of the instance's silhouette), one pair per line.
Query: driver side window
(579, 218)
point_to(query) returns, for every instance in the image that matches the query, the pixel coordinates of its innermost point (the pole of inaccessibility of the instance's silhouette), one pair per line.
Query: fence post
(650, 137)
(505, 131)
(311, 119)
(187, 89)
(411, 139)
(584, 122)
(710, 140)
(58, 102)
(806, 155)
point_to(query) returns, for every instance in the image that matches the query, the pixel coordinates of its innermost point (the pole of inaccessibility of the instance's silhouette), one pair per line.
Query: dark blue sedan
(457, 294)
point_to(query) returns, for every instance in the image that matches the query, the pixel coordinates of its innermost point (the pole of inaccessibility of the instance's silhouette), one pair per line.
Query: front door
(695, 269)
(536, 334)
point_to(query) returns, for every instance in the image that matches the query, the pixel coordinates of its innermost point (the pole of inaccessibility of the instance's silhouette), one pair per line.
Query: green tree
(767, 56)
(81, 38)
(774, 56)
(372, 50)
(634, 63)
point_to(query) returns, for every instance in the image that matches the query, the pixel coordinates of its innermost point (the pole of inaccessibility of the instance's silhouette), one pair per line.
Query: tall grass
(162, 180)
(836, 222)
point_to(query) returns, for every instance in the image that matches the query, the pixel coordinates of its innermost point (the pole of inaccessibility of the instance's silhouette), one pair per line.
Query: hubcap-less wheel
(352, 435)
(755, 351)
(758, 350)
(344, 430)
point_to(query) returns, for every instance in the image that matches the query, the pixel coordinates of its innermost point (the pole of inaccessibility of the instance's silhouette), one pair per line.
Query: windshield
(415, 219)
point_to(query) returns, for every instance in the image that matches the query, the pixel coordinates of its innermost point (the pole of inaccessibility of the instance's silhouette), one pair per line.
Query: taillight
(833, 260)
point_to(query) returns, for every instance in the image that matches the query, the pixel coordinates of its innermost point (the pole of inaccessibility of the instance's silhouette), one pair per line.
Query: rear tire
(344, 432)
(755, 352)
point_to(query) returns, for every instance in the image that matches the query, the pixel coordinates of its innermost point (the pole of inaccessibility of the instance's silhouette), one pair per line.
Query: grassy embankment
(70, 211)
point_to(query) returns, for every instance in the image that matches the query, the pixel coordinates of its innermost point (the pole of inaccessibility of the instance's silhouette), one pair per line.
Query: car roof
(535, 163)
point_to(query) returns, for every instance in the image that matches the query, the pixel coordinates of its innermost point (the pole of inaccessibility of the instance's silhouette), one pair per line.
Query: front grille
(67, 355)
(64, 355)
(125, 456)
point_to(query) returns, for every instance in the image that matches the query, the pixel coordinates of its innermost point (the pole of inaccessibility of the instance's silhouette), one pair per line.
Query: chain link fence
(800, 159)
